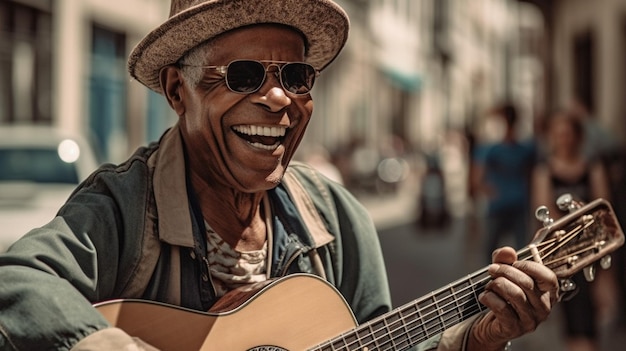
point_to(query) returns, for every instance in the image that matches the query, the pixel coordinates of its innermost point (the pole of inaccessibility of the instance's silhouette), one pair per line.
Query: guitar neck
(575, 241)
(417, 321)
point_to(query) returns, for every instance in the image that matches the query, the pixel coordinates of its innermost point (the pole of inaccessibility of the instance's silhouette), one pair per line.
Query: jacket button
(192, 254)
(205, 277)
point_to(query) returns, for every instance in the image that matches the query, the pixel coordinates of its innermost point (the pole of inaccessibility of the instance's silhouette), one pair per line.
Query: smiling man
(216, 207)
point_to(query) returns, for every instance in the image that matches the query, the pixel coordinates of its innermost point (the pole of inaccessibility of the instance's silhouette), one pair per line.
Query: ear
(171, 80)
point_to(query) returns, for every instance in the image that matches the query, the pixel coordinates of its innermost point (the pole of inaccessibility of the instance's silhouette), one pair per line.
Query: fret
(396, 327)
(429, 314)
(463, 298)
(388, 331)
(380, 332)
(339, 343)
(405, 328)
(415, 326)
(372, 332)
(449, 312)
(474, 291)
(438, 311)
(365, 336)
(351, 340)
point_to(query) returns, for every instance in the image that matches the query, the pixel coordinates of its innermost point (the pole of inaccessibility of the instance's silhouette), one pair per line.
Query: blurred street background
(421, 260)
(400, 116)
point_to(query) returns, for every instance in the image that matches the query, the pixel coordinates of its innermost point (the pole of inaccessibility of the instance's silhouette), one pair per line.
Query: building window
(107, 92)
(583, 68)
(25, 63)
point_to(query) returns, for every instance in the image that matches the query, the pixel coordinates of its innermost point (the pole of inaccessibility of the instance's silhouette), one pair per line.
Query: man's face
(245, 141)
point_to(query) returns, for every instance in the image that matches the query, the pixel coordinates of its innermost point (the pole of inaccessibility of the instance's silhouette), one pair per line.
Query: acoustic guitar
(304, 312)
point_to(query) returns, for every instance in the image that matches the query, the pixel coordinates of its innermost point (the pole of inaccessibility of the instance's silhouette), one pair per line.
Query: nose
(271, 94)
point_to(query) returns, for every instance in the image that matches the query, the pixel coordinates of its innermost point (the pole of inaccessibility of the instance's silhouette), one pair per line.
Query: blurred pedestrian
(599, 142)
(567, 168)
(502, 176)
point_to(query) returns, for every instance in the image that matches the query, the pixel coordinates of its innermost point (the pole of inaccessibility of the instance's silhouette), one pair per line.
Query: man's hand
(519, 297)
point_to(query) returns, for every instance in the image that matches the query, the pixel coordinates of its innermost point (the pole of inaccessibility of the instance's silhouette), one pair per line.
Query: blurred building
(63, 62)
(418, 68)
(412, 70)
(586, 51)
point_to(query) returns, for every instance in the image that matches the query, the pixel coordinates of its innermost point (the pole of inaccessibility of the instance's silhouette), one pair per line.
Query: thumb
(505, 255)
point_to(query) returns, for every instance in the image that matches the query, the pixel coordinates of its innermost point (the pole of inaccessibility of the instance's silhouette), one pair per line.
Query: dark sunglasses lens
(298, 78)
(245, 76)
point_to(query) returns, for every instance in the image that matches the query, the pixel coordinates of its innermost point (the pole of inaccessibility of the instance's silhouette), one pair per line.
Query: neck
(235, 216)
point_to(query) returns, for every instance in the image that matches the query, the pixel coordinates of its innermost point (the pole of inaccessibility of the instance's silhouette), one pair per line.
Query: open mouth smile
(261, 137)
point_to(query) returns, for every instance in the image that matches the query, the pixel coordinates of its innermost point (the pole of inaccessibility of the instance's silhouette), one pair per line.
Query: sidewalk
(389, 210)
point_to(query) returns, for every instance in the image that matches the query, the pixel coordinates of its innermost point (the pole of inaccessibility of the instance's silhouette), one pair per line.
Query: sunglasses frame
(280, 65)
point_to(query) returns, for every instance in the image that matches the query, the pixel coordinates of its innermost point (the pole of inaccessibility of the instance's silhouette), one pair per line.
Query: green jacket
(133, 231)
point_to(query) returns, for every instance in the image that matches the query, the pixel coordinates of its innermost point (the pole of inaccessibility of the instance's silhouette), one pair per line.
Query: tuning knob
(590, 273)
(543, 215)
(567, 285)
(605, 262)
(567, 203)
(564, 202)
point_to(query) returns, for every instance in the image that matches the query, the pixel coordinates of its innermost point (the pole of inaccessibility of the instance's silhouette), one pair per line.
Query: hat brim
(323, 23)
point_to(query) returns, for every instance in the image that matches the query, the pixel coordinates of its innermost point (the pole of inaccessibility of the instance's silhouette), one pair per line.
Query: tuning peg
(567, 285)
(590, 273)
(564, 202)
(543, 215)
(605, 262)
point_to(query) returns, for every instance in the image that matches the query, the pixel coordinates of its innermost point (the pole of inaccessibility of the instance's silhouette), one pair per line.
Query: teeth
(261, 131)
(266, 147)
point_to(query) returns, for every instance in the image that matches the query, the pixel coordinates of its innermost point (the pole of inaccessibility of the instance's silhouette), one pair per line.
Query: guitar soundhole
(267, 348)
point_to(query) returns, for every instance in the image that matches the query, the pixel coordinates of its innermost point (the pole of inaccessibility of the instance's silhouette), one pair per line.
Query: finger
(528, 309)
(520, 289)
(506, 255)
(544, 278)
(499, 306)
(510, 272)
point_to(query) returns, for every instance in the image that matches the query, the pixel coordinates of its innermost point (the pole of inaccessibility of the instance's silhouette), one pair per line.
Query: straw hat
(191, 22)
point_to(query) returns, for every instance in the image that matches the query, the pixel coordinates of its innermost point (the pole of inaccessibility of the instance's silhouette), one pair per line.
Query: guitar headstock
(575, 242)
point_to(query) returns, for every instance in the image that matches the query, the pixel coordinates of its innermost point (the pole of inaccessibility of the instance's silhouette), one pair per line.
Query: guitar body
(293, 313)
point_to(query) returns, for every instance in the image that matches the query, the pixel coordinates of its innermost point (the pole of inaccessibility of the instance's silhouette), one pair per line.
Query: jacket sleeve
(51, 276)
(45, 277)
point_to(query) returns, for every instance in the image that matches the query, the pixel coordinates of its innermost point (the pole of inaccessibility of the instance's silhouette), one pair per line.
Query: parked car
(39, 168)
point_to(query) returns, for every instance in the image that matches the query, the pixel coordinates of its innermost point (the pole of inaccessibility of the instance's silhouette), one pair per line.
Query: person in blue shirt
(503, 170)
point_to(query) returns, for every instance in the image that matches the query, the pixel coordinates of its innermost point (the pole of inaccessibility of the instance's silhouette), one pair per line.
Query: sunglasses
(247, 76)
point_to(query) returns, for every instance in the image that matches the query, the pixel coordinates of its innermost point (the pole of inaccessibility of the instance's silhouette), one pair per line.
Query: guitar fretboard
(417, 321)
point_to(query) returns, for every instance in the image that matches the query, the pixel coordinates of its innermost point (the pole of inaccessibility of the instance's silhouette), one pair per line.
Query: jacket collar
(170, 191)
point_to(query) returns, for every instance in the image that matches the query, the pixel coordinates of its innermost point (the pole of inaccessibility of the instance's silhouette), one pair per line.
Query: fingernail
(493, 268)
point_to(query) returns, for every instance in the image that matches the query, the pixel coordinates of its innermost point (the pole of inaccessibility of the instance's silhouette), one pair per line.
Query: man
(502, 171)
(215, 205)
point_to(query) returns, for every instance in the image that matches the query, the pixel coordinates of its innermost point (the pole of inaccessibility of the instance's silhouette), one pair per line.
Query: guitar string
(469, 310)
